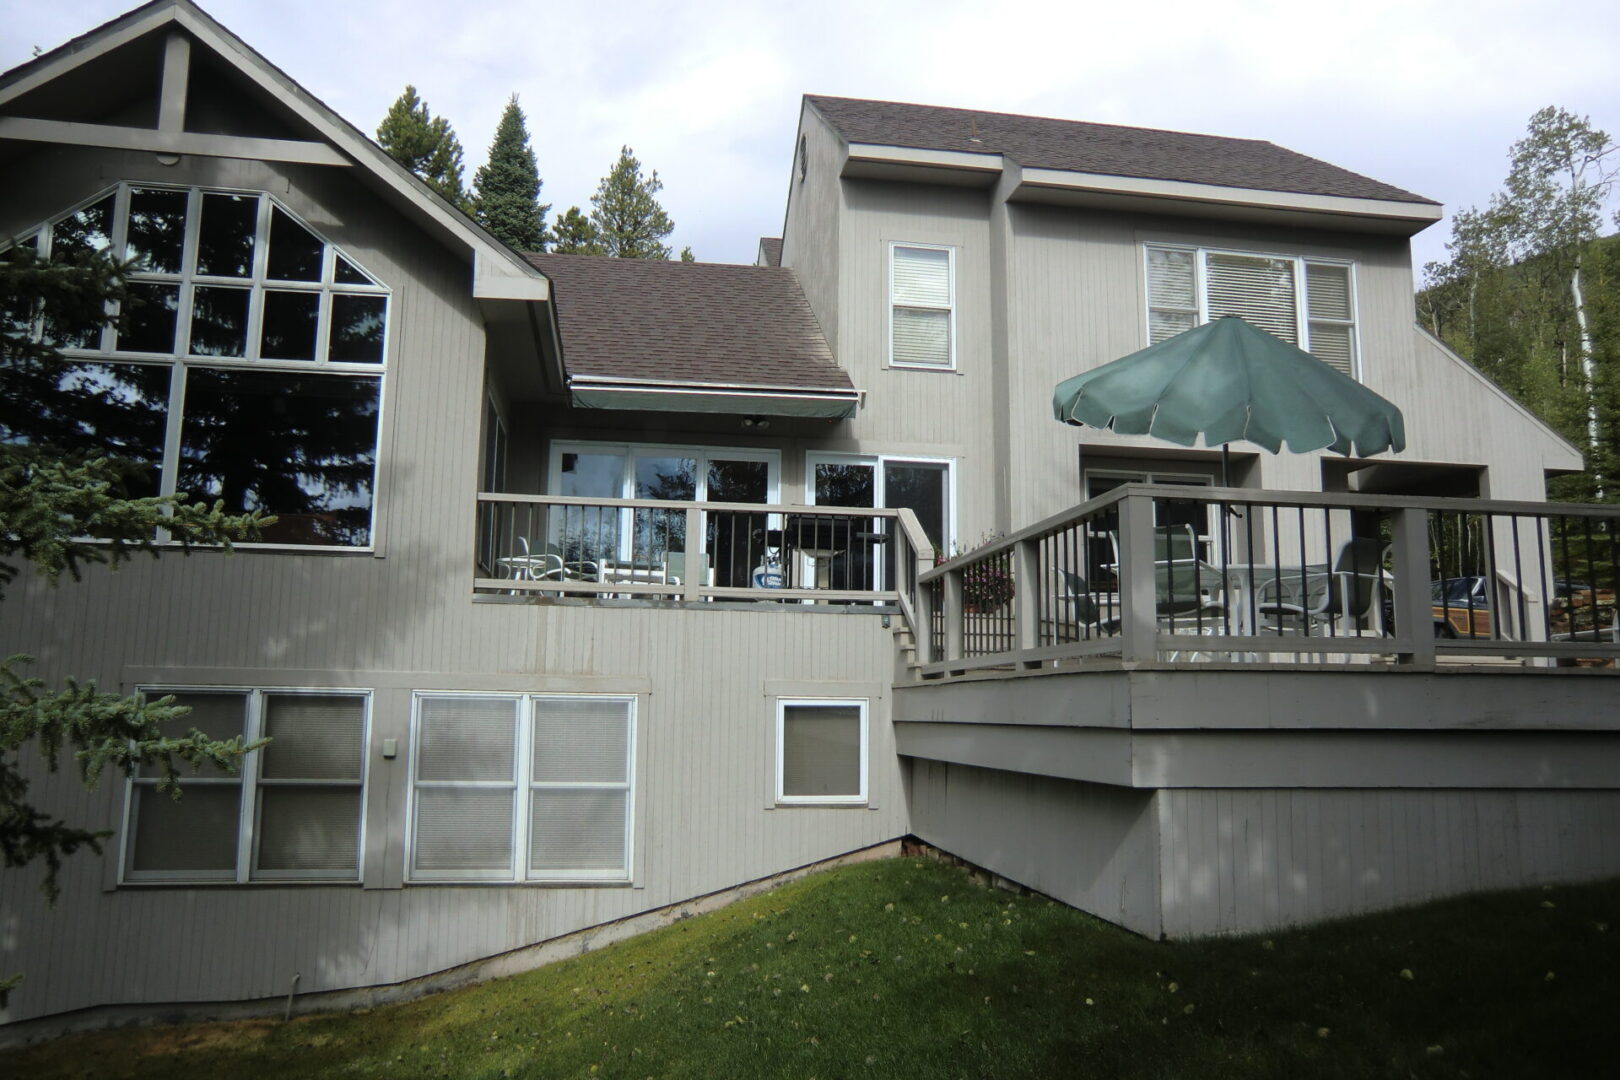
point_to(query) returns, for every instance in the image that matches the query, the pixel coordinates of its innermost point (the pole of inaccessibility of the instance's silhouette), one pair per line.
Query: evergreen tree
(575, 234)
(424, 144)
(507, 196)
(686, 254)
(626, 213)
(51, 499)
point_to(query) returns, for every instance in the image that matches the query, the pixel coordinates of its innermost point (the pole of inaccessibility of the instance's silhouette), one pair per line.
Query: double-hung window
(821, 750)
(245, 367)
(1304, 301)
(291, 811)
(922, 306)
(522, 787)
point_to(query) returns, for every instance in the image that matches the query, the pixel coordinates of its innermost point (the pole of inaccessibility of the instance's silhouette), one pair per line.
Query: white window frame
(950, 251)
(249, 781)
(181, 360)
(517, 871)
(1298, 264)
(771, 459)
(879, 490)
(865, 707)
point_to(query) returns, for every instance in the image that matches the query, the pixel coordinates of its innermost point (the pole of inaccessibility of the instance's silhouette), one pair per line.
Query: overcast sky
(1424, 94)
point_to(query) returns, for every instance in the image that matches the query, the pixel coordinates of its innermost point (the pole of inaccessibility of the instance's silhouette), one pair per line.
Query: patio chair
(675, 569)
(1186, 590)
(1083, 614)
(1340, 599)
(579, 569)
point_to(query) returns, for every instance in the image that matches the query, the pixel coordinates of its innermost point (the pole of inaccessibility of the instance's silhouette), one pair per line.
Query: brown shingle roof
(1106, 149)
(707, 323)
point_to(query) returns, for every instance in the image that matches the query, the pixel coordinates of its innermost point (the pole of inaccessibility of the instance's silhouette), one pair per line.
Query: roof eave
(956, 168)
(1397, 217)
(642, 395)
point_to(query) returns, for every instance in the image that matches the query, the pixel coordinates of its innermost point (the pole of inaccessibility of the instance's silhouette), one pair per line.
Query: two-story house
(601, 586)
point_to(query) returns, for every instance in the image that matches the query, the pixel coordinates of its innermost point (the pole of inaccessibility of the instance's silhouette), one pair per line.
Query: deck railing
(1161, 572)
(563, 546)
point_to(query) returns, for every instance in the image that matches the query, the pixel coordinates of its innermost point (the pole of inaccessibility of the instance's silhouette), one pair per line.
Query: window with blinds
(922, 306)
(292, 811)
(1305, 302)
(821, 751)
(522, 788)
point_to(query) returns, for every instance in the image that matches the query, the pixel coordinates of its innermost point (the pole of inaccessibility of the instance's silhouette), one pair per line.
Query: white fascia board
(934, 159)
(498, 272)
(1064, 179)
(607, 382)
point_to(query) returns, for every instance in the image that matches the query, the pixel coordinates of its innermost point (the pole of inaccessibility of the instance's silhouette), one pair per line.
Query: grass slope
(906, 968)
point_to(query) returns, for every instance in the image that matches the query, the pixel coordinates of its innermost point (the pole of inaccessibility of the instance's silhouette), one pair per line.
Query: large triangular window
(246, 365)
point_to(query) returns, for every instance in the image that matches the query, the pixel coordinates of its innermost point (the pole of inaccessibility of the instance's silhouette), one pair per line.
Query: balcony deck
(1143, 574)
(1258, 732)
(556, 547)
(1149, 574)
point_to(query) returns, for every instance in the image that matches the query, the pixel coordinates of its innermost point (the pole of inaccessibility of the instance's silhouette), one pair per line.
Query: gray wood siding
(1243, 860)
(1089, 845)
(705, 767)
(400, 619)
(810, 230)
(1077, 301)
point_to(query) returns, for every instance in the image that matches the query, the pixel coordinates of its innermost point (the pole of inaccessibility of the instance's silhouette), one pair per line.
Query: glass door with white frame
(864, 555)
(674, 473)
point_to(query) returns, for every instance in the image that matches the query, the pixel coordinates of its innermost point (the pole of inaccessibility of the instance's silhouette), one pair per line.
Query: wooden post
(924, 608)
(176, 75)
(1027, 599)
(953, 615)
(1138, 597)
(1414, 612)
(697, 559)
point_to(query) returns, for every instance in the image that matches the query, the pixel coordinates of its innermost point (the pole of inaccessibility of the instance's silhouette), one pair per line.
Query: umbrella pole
(1226, 559)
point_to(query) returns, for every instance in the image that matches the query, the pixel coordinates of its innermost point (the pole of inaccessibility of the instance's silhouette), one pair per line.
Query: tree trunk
(1588, 375)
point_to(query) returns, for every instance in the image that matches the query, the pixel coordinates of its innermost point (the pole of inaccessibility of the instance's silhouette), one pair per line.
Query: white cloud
(1425, 94)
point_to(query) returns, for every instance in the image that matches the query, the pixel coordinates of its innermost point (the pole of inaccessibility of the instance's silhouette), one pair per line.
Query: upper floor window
(1305, 302)
(922, 306)
(246, 368)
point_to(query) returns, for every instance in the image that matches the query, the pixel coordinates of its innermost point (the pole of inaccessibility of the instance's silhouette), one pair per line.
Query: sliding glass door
(672, 473)
(861, 555)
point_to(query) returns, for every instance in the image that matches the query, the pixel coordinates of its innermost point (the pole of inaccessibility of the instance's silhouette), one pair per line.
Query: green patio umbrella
(1227, 380)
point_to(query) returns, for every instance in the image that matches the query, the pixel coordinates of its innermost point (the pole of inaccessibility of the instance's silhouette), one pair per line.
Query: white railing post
(1414, 614)
(1027, 599)
(1138, 598)
(925, 624)
(697, 558)
(954, 647)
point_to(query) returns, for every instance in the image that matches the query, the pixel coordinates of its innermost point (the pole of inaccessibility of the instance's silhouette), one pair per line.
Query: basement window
(821, 751)
(291, 811)
(522, 788)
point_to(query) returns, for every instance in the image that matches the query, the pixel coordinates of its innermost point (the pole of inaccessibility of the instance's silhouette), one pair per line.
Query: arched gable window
(247, 368)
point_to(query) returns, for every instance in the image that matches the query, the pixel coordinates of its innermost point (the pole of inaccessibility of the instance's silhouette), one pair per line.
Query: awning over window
(826, 404)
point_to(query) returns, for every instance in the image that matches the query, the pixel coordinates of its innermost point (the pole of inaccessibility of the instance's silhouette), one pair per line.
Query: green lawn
(906, 968)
